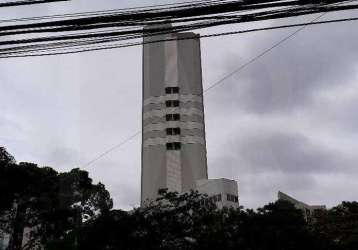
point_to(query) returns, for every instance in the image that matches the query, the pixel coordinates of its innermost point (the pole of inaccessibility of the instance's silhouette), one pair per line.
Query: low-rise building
(223, 192)
(308, 210)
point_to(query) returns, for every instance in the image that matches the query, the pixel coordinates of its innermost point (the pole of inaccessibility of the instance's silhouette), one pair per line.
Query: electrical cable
(112, 11)
(137, 18)
(27, 2)
(112, 149)
(87, 41)
(261, 54)
(101, 12)
(213, 85)
(8, 53)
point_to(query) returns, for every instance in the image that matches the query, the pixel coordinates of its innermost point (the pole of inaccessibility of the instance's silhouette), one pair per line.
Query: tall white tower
(173, 134)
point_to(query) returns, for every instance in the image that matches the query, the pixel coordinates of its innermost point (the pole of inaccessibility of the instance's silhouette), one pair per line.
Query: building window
(217, 198)
(232, 198)
(172, 90)
(172, 103)
(308, 212)
(173, 146)
(173, 131)
(172, 117)
(177, 145)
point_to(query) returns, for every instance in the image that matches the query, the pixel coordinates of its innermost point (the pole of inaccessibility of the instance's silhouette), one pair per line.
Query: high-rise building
(173, 129)
(173, 134)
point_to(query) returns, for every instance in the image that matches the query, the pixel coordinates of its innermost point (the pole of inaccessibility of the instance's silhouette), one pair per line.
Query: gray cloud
(286, 153)
(259, 189)
(288, 121)
(288, 77)
(338, 109)
(284, 123)
(63, 157)
(265, 162)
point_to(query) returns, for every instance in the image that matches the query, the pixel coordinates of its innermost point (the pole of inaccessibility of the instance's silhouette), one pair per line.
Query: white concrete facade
(173, 128)
(223, 192)
(173, 134)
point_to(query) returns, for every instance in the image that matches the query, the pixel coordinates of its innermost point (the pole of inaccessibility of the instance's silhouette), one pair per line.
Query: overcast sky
(287, 122)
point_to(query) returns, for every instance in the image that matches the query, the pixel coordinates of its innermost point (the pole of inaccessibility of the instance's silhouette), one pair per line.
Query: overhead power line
(101, 12)
(27, 2)
(124, 28)
(94, 45)
(213, 85)
(128, 139)
(243, 66)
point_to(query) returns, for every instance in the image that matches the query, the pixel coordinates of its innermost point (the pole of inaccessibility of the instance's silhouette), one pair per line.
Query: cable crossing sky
(82, 32)
(211, 86)
(26, 2)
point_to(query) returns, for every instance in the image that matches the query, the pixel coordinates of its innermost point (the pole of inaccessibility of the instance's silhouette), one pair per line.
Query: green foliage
(181, 221)
(6, 192)
(67, 211)
(52, 204)
(176, 221)
(339, 225)
(5, 157)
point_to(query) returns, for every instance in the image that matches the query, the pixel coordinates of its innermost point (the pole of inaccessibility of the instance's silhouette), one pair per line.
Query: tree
(79, 201)
(339, 226)
(7, 195)
(191, 221)
(5, 157)
(50, 205)
(167, 223)
(276, 226)
(67, 211)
